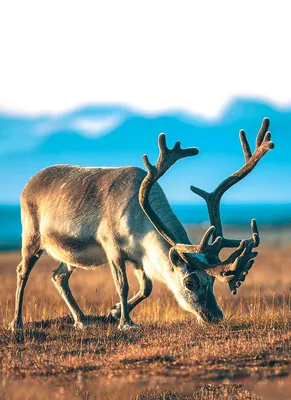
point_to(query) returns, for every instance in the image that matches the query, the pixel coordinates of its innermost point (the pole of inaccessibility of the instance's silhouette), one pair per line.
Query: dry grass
(170, 356)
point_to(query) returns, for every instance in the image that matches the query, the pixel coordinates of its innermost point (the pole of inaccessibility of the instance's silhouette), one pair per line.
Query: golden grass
(169, 350)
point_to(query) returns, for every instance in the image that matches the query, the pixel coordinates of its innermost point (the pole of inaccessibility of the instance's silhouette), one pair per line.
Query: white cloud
(96, 126)
(90, 127)
(152, 55)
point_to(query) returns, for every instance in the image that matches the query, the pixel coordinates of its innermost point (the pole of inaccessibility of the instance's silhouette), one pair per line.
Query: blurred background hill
(116, 136)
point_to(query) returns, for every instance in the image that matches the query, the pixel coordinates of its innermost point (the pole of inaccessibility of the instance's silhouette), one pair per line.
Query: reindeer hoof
(114, 314)
(15, 326)
(81, 325)
(126, 326)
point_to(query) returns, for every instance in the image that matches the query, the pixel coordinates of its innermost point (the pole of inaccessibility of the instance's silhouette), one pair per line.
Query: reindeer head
(196, 287)
(196, 266)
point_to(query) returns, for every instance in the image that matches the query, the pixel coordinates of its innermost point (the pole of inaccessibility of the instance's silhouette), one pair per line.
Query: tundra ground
(248, 356)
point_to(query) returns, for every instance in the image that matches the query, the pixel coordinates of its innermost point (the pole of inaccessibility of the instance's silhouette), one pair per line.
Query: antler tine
(255, 233)
(262, 132)
(211, 248)
(206, 237)
(151, 168)
(202, 193)
(203, 246)
(245, 145)
(162, 143)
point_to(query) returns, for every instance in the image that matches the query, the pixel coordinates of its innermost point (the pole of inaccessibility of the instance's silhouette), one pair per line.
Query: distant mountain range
(116, 136)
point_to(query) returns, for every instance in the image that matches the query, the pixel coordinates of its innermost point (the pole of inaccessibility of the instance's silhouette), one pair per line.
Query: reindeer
(74, 212)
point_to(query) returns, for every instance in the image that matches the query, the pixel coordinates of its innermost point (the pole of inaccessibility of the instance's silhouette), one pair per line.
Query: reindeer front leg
(144, 292)
(119, 275)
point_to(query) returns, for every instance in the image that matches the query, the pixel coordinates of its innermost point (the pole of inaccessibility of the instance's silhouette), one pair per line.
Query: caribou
(74, 212)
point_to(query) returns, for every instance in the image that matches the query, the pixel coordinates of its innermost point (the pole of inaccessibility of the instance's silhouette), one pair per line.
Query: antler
(235, 269)
(213, 199)
(263, 145)
(167, 158)
(244, 264)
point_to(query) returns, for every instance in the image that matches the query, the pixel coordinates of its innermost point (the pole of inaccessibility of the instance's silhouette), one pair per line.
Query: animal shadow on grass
(63, 323)
(50, 329)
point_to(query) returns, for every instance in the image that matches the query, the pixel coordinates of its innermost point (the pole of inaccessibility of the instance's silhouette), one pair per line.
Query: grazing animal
(73, 212)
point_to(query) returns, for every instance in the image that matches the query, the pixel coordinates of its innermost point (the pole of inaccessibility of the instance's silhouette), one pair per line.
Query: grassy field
(248, 356)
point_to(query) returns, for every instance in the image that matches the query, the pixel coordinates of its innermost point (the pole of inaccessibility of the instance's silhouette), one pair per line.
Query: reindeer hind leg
(60, 279)
(31, 252)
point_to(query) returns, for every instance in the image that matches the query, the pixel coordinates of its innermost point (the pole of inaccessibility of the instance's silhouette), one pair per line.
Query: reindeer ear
(174, 257)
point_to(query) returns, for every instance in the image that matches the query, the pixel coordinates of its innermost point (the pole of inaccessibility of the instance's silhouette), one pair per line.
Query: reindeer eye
(189, 285)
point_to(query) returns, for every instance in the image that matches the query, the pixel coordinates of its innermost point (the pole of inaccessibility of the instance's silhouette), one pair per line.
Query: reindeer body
(75, 212)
